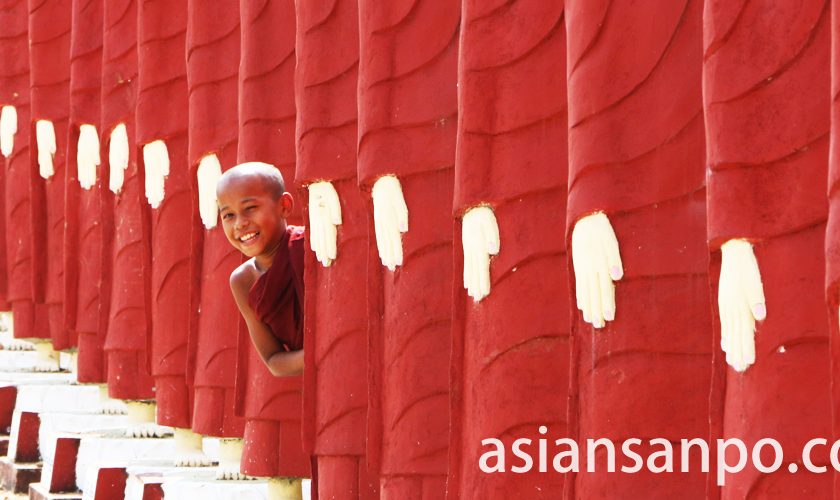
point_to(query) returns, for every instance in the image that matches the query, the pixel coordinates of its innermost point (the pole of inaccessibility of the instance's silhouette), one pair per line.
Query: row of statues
(606, 218)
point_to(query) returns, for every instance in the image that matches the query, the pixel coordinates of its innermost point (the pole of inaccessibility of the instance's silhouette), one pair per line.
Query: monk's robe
(407, 121)
(277, 299)
(511, 349)
(129, 318)
(49, 75)
(85, 269)
(162, 115)
(272, 406)
(766, 80)
(212, 69)
(335, 339)
(14, 91)
(636, 153)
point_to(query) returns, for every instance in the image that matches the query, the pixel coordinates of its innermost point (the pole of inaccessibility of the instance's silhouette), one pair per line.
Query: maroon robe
(267, 134)
(274, 445)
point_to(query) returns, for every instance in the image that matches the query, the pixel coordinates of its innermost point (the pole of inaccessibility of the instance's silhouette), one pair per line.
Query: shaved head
(268, 177)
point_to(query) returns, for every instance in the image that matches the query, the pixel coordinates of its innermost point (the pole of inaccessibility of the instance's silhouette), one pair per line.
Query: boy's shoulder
(244, 276)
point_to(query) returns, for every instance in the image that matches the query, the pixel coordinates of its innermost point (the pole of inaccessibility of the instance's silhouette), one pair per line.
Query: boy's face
(254, 222)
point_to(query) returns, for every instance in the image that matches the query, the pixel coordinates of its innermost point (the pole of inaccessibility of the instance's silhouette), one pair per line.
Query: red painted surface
(832, 234)
(110, 484)
(129, 319)
(163, 114)
(84, 236)
(27, 438)
(49, 63)
(64, 465)
(271, 405)
(212, 69)
(649, 180)
(407, 123)
(14, 90)
(335, 336)
(768, 151)
(8, 399)
(511, 156)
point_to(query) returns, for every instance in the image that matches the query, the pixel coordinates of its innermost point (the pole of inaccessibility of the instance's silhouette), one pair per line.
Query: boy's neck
(264, 261)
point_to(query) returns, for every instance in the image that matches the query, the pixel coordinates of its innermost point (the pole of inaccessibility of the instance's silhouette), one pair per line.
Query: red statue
(129, 319)
(15, 145)
(85, 268)
(271, 405)
(335, 339)
(767, 143)
(510, 340)
(162, 135)
(49, 63)
(636, 228)
(212, 69)
(406, 152)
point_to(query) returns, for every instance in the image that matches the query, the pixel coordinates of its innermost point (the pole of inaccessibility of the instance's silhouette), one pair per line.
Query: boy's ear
(287, 205)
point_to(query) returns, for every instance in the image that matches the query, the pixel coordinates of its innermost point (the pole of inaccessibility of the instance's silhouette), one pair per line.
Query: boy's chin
(250, 251)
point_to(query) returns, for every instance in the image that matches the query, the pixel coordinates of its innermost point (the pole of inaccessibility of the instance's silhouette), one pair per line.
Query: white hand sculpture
(480, 240)
(740, 302)
(118, 157)
(324, 216)
(209, 172)
(87, 156)
(390, 217)
(8, 129)
(597, 263)
(45, 141)
(156, 163)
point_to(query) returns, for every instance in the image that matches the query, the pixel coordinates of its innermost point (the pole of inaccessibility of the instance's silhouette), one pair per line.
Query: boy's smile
(254, 220)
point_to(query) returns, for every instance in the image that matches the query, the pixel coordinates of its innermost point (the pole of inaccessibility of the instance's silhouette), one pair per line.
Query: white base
(31, 378)
(25, 361)
(55, 425)
(115, 450)
(57, 397)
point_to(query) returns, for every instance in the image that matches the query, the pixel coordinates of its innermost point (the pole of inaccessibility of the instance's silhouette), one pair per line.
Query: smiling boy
(268, 287)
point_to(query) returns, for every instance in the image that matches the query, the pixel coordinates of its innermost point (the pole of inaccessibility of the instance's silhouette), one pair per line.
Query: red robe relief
(636, 153)
(832, 232)
(766, 99)
(212, 69)
(407, 124)
(129, 319)
(272, 406)
(511, 349)
(163, 115)
(49, 62)
(84, 236)
(335, 330)
(14, 91)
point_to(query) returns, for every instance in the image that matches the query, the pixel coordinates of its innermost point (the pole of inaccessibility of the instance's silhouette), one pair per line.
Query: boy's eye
(227, 216)
(250, 208)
